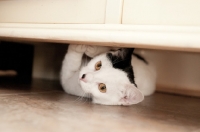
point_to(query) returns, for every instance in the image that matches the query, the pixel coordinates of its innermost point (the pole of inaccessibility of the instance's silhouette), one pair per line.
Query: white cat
(111, 78)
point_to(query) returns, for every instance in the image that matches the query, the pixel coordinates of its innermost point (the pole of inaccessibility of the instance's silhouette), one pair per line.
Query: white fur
(145, 76)
(119, 89)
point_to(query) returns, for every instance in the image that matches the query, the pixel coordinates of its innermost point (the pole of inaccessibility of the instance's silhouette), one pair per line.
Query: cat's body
(111, 78)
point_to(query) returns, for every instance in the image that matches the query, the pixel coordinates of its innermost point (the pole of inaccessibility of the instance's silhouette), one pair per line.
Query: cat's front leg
(70, 70)
(72, 61)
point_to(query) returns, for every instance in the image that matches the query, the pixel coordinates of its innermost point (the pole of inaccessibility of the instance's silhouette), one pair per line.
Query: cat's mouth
(83, 80)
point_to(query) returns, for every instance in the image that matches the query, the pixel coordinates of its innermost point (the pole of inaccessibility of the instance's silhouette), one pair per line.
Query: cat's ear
(131, 95)
(125, 52)
(120, 55)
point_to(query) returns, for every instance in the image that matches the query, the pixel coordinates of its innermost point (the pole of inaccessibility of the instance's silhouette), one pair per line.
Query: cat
(118, 77)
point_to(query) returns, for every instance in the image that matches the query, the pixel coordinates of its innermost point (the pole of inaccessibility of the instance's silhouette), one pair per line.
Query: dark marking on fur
(140, 58)
(121, 59)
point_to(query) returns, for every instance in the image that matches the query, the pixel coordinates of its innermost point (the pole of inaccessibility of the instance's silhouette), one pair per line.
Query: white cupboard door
(53, 11)
(162, 12)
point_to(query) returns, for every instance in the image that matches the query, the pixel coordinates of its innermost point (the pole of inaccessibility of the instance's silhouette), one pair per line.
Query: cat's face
(109, 79)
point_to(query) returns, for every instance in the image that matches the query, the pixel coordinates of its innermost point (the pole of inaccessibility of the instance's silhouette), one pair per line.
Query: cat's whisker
(79, 99)
(82, 96)
(87, 97)
(85, 100)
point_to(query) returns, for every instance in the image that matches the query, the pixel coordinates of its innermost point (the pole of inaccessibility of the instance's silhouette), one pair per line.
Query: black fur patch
(140, 58)
(123, 62)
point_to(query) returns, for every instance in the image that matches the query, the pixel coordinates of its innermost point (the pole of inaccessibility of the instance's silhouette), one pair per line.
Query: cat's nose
(83, 76)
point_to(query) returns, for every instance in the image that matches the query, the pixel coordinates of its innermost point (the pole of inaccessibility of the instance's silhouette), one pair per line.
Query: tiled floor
(44, 107)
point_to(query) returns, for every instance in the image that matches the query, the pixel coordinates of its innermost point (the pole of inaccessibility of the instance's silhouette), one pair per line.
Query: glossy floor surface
(44, 107)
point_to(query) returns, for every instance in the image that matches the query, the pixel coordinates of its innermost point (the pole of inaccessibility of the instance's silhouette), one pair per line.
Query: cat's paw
(93, 51)
(78, 48)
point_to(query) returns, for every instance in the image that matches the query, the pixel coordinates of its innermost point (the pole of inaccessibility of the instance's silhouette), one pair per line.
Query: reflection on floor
(43, 106)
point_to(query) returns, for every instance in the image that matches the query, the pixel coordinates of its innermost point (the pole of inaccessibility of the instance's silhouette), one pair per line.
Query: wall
(178, 72)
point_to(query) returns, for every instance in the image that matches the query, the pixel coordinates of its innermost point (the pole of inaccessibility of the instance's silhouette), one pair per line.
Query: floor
(44, 107)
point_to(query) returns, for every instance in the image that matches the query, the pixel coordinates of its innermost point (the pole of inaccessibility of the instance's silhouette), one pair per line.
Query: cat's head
(109, 78)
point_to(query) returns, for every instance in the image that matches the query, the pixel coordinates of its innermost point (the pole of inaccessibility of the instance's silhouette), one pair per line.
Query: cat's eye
(98, 65)
(102, 87)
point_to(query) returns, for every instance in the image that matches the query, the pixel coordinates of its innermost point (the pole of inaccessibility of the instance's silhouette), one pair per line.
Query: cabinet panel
(51, 11)
(114, 11)
(162, 12)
